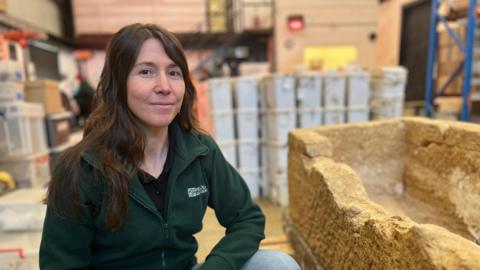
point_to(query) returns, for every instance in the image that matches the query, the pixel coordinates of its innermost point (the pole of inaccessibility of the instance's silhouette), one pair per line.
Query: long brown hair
(113, 133)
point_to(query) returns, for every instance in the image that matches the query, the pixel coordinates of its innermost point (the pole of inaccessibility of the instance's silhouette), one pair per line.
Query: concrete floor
(275, 238)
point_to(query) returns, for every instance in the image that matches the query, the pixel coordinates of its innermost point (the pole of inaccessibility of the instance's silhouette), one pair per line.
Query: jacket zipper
(164, 264)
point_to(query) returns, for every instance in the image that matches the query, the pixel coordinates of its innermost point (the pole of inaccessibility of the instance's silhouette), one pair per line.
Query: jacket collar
(187, 144)
(187, 147)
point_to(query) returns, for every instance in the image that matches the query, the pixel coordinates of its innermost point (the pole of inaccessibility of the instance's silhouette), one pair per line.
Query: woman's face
(155, 86)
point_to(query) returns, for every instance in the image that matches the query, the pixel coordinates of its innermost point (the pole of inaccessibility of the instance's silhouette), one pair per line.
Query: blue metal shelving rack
(466, 65)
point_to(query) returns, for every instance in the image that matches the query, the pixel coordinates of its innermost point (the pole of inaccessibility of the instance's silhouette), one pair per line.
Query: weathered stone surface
(416, 172)
(453, 159)
(310, 143)
(374, 150)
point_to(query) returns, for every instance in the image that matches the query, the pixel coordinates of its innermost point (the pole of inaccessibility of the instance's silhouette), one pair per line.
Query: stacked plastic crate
(247, 116)
(58, 134)
(278, 118)
(22, 213)
(388, 92)
(358, 95)
(220, 93)
(57, 121)
(334, 84)
(23, 145)
(309, 97)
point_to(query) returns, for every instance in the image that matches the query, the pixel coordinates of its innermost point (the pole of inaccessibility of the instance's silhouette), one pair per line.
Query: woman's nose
(162, 85)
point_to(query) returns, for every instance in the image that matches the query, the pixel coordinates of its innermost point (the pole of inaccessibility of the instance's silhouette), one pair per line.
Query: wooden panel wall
(107, 16)
(327, 23)
(389, 32)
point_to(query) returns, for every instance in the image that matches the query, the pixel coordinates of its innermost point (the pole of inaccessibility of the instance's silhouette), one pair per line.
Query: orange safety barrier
(202, 107)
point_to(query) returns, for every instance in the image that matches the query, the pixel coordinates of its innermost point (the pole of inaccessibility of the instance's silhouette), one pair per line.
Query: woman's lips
(161, 103)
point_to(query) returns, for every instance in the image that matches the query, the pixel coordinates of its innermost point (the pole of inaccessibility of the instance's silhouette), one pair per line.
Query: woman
(133, 192)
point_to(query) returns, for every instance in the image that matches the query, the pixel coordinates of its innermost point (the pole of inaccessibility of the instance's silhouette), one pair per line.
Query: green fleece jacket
(200, 177)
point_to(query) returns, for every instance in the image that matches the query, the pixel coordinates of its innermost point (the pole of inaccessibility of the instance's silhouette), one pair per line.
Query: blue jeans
(267, 260)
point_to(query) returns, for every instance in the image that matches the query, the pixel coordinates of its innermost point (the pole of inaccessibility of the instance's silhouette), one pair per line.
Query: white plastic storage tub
(278, 188)
(12, 91)
(358, 89)
(223, 125)
(11, 71)
(309, 90)
(229, 151)
(29, 171)
(334, 84)
(220, 93)
(357, 114)
(386, 107)
(247, 124)
(263, 182)
(276, 157)
(278, 124)
(389, 82)
(334, 116)
(248, 154)
(22, 129)
(278, 92)
(309, 117)
(251, 178)
(22, 210)
(246, 92)
(58, 128)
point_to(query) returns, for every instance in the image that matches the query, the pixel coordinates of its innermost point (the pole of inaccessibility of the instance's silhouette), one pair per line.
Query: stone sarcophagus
(398, 194)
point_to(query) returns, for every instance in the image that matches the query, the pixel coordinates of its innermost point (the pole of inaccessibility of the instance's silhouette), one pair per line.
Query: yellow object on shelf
(329, 57)
(6, 181)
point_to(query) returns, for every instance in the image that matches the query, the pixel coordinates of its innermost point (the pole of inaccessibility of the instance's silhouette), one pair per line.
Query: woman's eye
(175, 73)
(146, 72)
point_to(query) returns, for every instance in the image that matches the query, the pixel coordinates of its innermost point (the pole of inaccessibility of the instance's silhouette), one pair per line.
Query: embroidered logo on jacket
(196, 191)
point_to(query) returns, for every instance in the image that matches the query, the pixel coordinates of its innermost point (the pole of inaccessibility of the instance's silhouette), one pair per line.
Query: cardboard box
(45, 92)
(455, 88)
(450, 54)
(454, 9)
(3, 6)
(446, 68)
(458, 8)
(444, 37)
(448, 108)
